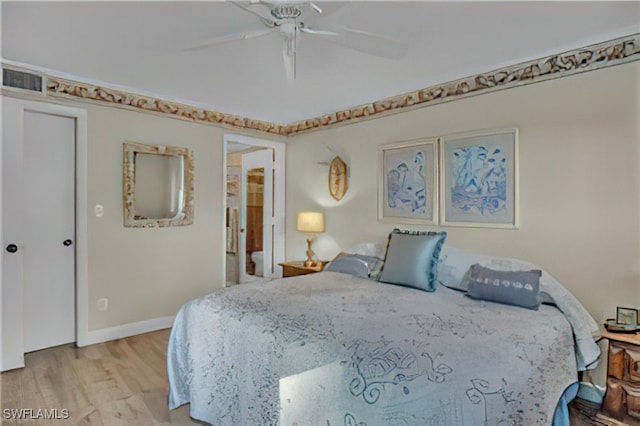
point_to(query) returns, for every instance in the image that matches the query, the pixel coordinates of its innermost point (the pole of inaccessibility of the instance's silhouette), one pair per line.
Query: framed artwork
(407, 190)
(627, 316)
(479, 179)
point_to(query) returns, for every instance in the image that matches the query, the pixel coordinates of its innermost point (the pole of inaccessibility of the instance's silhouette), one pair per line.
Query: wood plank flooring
(123, 382)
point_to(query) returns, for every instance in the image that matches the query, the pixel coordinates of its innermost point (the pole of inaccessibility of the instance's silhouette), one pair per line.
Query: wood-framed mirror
(157, 185)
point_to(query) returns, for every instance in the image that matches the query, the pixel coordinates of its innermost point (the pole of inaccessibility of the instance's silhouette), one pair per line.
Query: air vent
(21, 80)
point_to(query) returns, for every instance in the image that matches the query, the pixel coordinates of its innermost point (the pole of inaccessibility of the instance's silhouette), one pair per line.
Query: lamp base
(309, 261)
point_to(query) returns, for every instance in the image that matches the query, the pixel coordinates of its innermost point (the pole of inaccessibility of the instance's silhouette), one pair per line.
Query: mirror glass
(254, 197)
(157, 185)
(159, 180)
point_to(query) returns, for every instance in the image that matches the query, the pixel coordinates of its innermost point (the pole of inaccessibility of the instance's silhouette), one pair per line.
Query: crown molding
(609, 53)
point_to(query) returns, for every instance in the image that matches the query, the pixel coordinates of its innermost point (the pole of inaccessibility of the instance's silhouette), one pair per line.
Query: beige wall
(580, 193)
(579, 180)
(150, 273)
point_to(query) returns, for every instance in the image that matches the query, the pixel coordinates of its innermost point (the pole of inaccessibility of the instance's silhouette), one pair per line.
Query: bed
(333, 349)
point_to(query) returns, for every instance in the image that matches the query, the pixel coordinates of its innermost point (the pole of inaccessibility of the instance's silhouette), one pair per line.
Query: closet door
(43, 241)
(49, 234)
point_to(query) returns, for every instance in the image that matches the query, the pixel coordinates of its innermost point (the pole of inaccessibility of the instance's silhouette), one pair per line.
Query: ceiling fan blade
(289, 54)
(326, 8)
(315, 31)
(362, 41)
(205, 44)
(259, 9)
(315, 7)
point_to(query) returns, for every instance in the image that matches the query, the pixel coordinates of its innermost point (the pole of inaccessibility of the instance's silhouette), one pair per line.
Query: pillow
(369, 249)
(519, 288)
(356, 264)
(454, 264)
(411, 259)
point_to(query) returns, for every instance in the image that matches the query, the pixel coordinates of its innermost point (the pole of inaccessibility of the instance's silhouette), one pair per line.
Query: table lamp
(312, 223)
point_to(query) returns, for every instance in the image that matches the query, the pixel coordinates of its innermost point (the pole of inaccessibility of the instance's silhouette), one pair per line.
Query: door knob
(67, 243)
(12, 248)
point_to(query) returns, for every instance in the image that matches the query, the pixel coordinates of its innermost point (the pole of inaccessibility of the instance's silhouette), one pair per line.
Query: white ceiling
(140, 46)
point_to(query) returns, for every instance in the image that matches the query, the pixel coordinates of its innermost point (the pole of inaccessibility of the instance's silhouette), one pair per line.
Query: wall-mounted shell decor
(337, 178)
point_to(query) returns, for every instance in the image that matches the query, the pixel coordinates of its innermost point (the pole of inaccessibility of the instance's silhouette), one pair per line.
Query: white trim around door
(11, 299)
(279, 149)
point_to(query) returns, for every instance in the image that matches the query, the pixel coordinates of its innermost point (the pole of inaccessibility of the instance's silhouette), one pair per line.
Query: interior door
(48, 231)
(256, 163)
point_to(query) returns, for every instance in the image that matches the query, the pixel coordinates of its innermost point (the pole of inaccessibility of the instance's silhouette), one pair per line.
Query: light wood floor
(122, 382)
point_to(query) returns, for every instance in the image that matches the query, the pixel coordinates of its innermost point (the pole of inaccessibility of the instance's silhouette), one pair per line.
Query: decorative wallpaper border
(601, 55)
(72, 89)
(609, 53)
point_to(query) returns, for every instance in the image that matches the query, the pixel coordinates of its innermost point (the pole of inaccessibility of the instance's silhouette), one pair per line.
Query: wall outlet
(103, 304)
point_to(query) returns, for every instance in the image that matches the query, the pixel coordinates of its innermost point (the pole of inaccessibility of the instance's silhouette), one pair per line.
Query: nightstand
(291, 269)
(622, 398)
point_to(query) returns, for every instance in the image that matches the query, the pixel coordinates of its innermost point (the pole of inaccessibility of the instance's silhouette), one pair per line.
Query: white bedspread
(331, 349)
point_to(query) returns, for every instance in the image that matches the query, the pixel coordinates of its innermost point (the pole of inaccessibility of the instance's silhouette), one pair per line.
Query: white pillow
(369, 249)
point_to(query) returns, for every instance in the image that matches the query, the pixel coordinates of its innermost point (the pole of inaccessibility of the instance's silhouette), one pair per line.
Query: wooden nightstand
(291, 269)
(622, 398)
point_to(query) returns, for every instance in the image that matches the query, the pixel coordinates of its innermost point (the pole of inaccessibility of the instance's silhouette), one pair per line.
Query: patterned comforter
(331, 349)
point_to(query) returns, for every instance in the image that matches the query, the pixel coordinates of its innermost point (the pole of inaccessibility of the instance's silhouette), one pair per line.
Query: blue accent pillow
(518, 288)
(356, 264)
(411, 259)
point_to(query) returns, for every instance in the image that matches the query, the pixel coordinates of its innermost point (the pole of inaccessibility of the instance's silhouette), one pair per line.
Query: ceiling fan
(287, 18)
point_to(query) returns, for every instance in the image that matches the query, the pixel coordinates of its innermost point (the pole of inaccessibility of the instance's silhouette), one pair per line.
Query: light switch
(103, 304)
(99, 210)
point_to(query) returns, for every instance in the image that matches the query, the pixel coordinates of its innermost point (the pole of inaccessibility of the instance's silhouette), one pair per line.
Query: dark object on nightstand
(615, 327)
(622, 398)
(291, 269)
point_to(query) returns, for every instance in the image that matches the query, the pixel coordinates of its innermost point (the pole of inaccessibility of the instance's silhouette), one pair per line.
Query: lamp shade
(310, 222)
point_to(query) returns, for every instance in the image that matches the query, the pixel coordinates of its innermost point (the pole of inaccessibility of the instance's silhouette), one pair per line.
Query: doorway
(254, 209)
(42, 189)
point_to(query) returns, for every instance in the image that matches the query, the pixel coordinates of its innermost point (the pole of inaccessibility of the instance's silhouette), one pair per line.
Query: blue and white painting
(406, 186)
(480, 179)
(408, 182)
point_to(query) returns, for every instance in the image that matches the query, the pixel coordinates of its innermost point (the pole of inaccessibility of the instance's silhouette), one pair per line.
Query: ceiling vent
(21, 80)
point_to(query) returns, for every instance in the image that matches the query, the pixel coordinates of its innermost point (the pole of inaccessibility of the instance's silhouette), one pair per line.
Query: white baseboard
(125, 330)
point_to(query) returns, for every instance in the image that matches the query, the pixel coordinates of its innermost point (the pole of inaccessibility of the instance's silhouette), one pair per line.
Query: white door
(48, 230)
(257, 160)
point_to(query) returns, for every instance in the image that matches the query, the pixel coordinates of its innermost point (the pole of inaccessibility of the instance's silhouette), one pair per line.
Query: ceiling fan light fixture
(285, 12)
